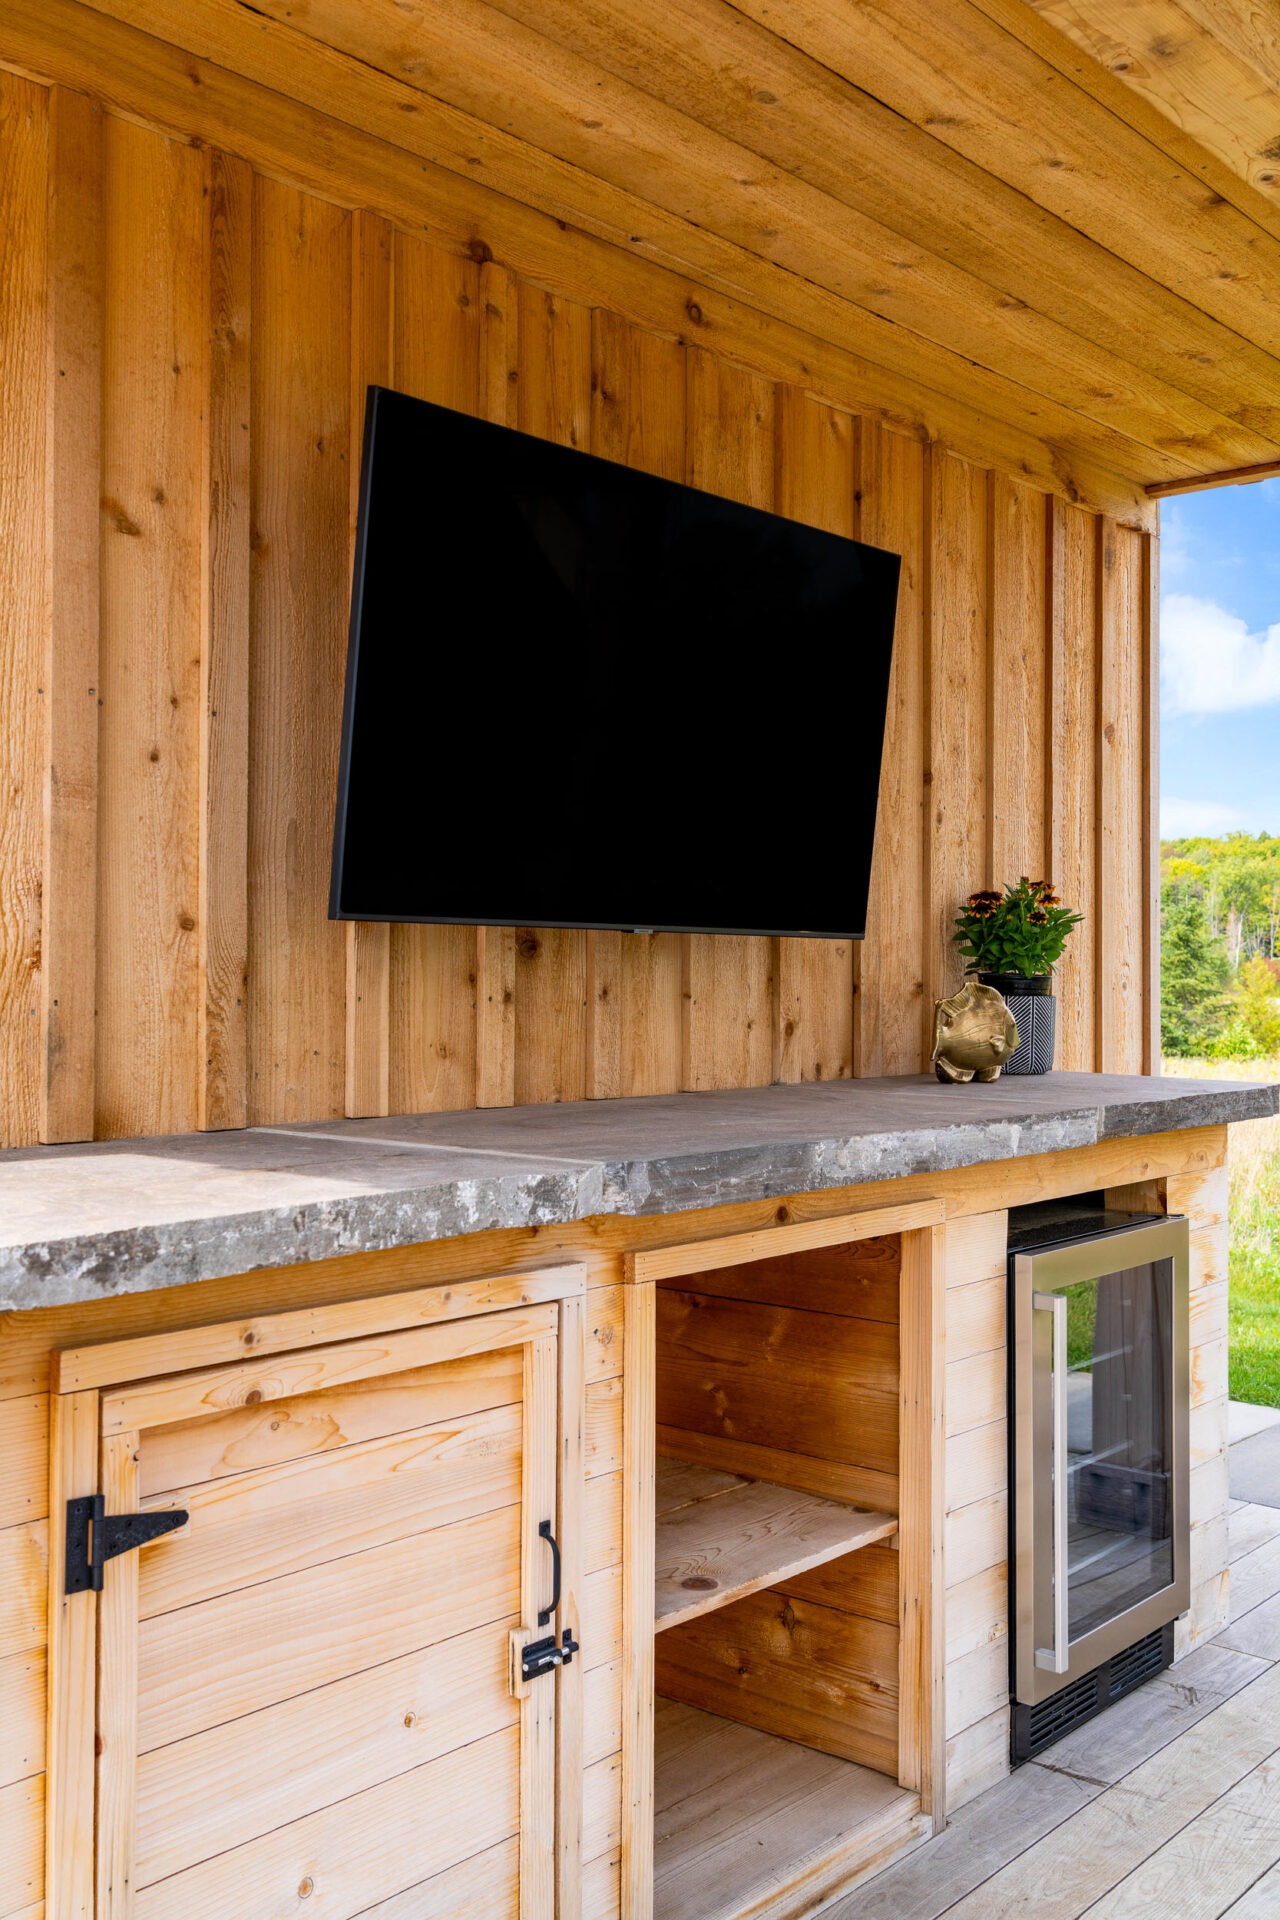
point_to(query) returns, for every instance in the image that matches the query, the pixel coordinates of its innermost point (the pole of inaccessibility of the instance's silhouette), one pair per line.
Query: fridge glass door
(1101, 1469)
(1119, 1422)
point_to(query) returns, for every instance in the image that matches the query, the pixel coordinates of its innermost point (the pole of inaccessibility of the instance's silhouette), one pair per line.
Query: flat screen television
(581, 696)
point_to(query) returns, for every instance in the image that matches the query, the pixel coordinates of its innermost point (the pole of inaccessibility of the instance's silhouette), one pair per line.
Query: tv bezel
(339, 913)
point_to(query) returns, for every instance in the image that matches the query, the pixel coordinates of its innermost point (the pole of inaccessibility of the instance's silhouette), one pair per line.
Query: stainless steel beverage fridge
(1098, 1407)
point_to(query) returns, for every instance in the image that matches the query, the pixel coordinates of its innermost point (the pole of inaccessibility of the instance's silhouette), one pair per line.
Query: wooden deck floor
(1167, 1807)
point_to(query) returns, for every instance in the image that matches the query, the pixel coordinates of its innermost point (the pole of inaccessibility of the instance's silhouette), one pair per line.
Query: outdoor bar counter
(81, 1223)
(530, 1497)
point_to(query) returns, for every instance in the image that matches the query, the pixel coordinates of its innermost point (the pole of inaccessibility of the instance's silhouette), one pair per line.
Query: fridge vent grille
(1035, 1728)
(1136, 1664)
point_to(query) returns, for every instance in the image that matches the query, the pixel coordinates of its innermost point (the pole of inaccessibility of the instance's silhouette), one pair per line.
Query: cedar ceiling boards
(944, 189)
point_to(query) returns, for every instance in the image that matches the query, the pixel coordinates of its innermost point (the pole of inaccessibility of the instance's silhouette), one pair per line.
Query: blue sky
(1220, 661)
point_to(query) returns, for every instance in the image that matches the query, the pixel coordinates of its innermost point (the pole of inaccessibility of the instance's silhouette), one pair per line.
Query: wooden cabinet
(796, 1697)
(309, 1697)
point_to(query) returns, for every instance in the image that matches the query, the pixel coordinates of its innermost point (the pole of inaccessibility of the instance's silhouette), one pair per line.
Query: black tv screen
(581, 696)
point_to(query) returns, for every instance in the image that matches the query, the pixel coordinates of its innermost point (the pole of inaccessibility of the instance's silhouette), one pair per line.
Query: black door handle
(545, 1533)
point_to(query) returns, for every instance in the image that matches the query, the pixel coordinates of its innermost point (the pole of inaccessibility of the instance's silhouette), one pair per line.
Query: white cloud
(1196, 819)
(1210, 662)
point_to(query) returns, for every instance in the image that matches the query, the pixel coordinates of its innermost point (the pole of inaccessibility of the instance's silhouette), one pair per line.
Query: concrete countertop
(86, 1222)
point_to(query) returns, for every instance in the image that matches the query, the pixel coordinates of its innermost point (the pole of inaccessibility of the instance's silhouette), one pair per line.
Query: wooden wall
(186, 342)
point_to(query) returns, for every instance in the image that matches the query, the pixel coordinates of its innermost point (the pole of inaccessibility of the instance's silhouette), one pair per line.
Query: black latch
(95, 1536)
(544, 1656)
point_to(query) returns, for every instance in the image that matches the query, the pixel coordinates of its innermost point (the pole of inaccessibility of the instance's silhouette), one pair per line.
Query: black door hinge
(95, 1536)
(544, 1656)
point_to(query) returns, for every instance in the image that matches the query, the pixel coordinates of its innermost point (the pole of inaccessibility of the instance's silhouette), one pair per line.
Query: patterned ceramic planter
(1035, 1012)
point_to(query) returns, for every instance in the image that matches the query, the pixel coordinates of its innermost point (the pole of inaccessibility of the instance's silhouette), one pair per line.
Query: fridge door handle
(1055, 1658)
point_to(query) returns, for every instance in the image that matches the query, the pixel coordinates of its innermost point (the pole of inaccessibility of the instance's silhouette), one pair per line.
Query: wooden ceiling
(1061, 215)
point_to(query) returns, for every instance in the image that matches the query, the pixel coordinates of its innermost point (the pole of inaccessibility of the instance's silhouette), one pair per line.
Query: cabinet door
(309, 1697)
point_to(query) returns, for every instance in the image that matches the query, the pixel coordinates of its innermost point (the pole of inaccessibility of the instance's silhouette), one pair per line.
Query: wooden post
(922, 1695)
(638, 1480)
(73, 1656)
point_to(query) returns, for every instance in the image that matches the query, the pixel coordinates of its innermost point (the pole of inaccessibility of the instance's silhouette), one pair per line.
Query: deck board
(1167, 1804)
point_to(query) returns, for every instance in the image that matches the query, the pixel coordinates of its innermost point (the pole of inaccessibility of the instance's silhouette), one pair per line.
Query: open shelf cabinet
(795, 1497)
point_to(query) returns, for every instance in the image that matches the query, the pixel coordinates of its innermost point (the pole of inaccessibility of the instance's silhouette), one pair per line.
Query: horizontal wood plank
(203, 1347)
(22, 1715)
(188, 1396)
(976, 1317)
(865, 1582)
(977, 1465)
(809, 1673)
(21, 1844)
(701, 1256)
(370, 1846)
(487, 1883)
(203, 1664)
(284, 1762)
(977, 1537)
(602, 1522)
(24, 1450)
(833, 1479)
(24, 1568)
(796, 1381)
(603, 1427)
(275, 1521)
(975, 1390)
(244, 1438)
(860, 1278)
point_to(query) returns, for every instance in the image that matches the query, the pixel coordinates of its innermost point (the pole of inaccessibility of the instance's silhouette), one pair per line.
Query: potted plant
(1013, 941)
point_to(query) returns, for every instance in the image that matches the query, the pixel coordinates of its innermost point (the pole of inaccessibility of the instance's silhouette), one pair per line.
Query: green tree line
(1220, 946)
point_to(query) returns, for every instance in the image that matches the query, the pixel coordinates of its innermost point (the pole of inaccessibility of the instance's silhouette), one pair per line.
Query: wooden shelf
(745, 1822)
(720, 1537)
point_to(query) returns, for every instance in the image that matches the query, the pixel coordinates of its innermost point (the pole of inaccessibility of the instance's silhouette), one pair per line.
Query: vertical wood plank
(729, 979)
(439, 335)
(1017, 681)
(570, 1505)
(24, 192)
(1072, 739)
(958, 768)
(921, 1580)
(1151, 1049)
(639, 1468)
(634, 1005)
(223, 1090)
(816, 482)
(73, 1651)
(500, 302)
(495, 947)
(368, 1041)
(551, 991)
(891, 1018)
(70, 679)
(538, 1858)
(301, 441)
(1122, 815)
(117, 1740)
(155, 368)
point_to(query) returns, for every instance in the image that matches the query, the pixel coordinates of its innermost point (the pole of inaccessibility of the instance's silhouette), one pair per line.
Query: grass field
(1254, 1352)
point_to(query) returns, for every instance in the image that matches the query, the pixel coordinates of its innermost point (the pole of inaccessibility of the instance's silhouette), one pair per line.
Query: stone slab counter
(86, 1222)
